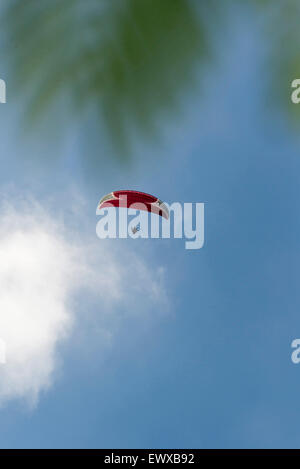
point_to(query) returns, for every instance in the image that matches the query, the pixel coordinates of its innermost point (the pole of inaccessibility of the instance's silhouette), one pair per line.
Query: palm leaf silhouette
(128, 59)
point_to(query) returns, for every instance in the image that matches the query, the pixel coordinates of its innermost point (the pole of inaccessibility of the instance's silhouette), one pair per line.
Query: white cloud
(42, 269)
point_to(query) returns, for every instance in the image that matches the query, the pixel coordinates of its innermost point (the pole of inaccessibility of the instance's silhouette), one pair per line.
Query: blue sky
(207, 365)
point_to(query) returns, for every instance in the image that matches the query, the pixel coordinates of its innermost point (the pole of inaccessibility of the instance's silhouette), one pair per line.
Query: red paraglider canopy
(134, 199)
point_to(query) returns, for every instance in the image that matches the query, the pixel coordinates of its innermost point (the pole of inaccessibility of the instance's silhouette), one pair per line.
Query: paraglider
(119, 205)
(136, 228)
(135, 199)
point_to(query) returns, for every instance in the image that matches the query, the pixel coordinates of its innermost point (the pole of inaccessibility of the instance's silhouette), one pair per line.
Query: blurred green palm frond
(284, 30)
(129, 59)
(281, 28)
